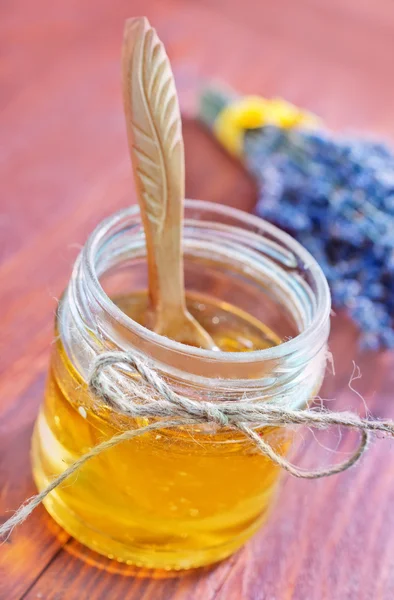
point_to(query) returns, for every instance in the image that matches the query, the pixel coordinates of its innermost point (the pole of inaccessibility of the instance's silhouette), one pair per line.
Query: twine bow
(150, 396)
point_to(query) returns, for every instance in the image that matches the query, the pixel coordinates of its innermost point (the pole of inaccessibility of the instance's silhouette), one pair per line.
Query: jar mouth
(306, 338)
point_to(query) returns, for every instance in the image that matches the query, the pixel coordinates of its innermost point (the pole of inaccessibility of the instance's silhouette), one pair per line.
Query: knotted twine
(154, 398)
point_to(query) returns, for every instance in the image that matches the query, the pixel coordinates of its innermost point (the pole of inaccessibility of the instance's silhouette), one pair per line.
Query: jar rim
(304, 338)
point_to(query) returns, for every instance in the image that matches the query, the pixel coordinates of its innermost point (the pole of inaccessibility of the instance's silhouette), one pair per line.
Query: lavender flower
(336, 196)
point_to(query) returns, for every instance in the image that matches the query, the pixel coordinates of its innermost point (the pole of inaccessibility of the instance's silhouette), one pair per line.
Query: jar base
(148, 563)
(139, 558)
(147, 557)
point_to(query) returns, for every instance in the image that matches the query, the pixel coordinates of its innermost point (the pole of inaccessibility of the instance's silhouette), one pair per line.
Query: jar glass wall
(191, 496)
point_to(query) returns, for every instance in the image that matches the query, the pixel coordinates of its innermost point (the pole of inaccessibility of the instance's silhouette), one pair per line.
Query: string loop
(150, 396)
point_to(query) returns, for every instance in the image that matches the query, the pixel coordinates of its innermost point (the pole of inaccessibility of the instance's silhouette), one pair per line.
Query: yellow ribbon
(251, 112)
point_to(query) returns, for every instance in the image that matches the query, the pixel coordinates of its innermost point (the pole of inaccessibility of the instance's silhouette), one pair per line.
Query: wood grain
(64, 166)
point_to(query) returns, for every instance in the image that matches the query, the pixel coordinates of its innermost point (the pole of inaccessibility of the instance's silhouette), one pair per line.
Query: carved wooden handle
(156, 147)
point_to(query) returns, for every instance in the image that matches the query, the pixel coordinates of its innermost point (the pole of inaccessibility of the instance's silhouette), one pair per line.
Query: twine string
(151, 397)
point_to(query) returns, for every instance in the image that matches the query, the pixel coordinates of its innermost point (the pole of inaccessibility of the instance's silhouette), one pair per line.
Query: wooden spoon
(154, 132)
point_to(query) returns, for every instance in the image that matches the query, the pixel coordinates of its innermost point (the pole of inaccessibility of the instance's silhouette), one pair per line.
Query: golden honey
(170, 499)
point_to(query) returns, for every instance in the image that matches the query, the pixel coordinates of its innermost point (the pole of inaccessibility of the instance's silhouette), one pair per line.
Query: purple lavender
(336, 196)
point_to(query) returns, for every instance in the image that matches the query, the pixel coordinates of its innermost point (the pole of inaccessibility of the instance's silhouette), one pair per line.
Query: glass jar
(187, 497)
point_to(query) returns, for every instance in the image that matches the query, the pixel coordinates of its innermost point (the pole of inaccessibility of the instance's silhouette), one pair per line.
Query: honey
(170, 499)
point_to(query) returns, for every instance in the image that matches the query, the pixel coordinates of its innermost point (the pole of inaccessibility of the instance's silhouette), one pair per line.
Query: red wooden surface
(64, 166)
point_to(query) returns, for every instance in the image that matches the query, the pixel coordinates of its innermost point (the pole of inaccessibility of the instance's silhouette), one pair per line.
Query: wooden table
(64, 165)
